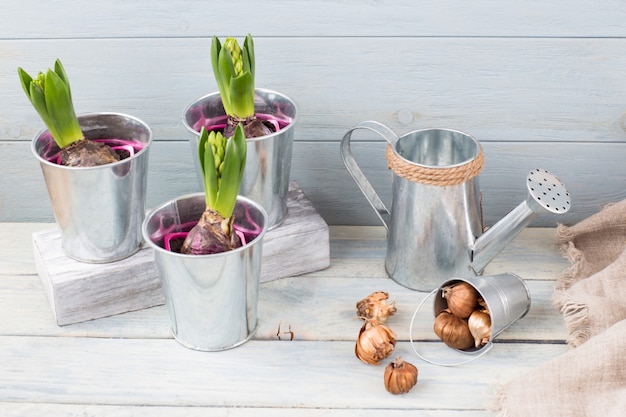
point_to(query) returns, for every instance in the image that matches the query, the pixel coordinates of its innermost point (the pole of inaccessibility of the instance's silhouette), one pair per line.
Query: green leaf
(248, 50)
(242, 96)
(60, 71)
(61, 110)
(35, 94)
(38, 100)
(202, 142)
(232, 173)
(242, 145)
(216, 47)
(236, 90)
(227, 73)
(205, 151)
(51, 97)
(26, 81)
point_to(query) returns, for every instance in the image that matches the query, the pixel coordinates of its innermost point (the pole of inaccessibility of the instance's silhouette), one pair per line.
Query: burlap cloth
(590, 378)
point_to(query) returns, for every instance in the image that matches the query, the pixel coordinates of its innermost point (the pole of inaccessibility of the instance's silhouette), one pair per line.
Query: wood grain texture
(594, 174)
(499, 89)
(300, 244)
(129, 364)
(134, 372)
(79, 291)
(313, 308)
(64, 410)
(317, 306)
(193, 18)
(533, 81)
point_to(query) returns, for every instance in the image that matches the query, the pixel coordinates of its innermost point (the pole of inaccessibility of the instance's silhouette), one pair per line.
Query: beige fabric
(590, 379)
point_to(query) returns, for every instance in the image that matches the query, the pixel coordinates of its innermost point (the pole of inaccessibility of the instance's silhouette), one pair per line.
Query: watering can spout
(546, 194)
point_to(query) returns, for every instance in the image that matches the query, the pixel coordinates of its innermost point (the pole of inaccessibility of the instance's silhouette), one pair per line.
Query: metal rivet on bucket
(507, 298)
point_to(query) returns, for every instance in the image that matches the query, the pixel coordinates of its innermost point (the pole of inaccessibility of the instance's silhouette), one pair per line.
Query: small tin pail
(99, 209)
(506, 297)
(211, 299)
(268, 160)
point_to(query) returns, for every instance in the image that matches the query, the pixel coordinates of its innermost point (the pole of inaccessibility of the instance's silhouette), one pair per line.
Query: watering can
(435, 226)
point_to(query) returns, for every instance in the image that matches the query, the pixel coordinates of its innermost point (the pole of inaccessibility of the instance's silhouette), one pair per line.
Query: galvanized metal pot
(211, 299)
(268, 162)
(99, 209)
(506, 297)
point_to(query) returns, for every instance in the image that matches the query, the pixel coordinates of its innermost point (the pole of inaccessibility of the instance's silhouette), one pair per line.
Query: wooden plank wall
(540, 84)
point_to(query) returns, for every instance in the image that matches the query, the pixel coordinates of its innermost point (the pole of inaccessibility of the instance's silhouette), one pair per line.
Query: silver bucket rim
(42, 131)
(291, 125)
(154, 246)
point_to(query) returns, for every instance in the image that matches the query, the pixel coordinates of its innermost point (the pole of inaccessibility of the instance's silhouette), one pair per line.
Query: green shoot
(222, 161)
(233, 68)
(51, 97)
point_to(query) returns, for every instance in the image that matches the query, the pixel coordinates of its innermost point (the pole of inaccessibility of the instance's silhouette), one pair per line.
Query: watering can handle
(357, 174)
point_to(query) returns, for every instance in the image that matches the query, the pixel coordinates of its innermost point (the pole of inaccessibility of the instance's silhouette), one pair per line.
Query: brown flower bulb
(453, 330)
(400, 376)
(375, 307)
(461, 298)
(376, 341)
(479, 324)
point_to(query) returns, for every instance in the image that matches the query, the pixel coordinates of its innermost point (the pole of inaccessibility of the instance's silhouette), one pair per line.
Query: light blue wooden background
(540, 84)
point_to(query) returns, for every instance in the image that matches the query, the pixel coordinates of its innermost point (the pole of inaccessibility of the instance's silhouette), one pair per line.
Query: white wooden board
(532, 81)
(92, 410)
(552, 103)
(285, 374)
(310, 305)
(319, 18)
(80, 291)
(594, 174)
(499, 89)
(116, 366)
(301, 244)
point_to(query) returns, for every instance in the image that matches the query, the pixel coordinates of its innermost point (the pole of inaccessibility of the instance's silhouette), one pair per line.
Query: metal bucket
(507, 298)
(211, 299)
(99, 209)
(268, 162)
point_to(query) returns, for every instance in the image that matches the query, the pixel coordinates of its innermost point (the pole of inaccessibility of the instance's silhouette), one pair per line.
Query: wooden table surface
(129, 364)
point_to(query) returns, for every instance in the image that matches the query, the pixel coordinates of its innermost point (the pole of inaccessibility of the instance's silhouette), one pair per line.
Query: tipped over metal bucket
(506, 297)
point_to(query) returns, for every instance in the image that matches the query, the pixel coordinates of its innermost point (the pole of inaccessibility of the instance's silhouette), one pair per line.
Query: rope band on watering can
(434, 176)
